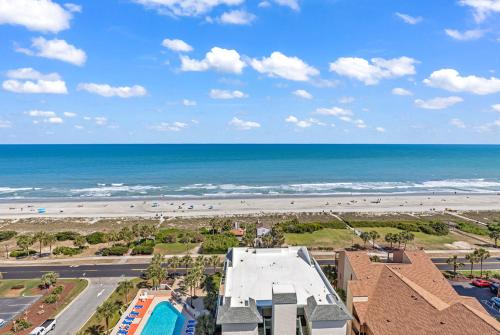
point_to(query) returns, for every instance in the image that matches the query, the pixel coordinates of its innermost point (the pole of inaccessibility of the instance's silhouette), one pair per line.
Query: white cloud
(55, 49)
(40, 113)
(409, 19)
(360, 123)
(79, 127)
(489, 126)
(5, 124)
(457, 123)
(280, 65)
(37, 15)
(303, 123)
(73, 8)
(346, 100)
(243, 125)
(54, 120)
(482, 8)
(293, 4)
(401, 91)
(371, 73)
(303, 94)
(237, 17)
(101, 120)
(450, 80)
(106, 90)
(264, 4)
(186, 7)
(496, 107)
(28, 80)
(176, 45)
(467, 35)
(334, 111)
(218, 59)
(167, 126)
(438, 103)
(380, 129)
(187, 102)
(226, 95)
(69, 114)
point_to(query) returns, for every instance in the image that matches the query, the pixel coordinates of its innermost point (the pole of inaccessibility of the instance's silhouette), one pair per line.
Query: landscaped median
(55, 294)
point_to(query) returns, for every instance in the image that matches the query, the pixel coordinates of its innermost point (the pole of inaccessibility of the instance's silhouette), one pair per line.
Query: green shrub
(21, 324)
(431, 228)
(96, 238)
(115, 250)
(58, 289)
(472, 228)
(294, 226)
(219, 244)
(67, 235)
(7, 235)
(67, 251)
(173, 235)
(22, 253)
(143, 250)
(51, 298)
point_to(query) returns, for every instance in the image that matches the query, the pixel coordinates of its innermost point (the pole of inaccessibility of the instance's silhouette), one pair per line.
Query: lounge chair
(134, 313)
(122, 332)
(125, 322)
(139, 306)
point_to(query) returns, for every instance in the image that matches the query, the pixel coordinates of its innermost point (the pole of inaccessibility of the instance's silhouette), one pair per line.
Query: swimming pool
(164, 320)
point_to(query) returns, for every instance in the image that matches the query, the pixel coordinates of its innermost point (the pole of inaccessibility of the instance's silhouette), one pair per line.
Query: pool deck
(149, 304)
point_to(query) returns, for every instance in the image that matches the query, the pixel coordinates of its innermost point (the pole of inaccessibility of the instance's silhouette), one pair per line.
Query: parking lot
(10, 307)
(482, 294)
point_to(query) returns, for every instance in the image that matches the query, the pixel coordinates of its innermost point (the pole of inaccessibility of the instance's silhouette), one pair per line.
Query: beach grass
(324, 238)
(173, 248)
(422, 240)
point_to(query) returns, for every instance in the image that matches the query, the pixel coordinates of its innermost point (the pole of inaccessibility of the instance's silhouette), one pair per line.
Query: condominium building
(408, 296)
(280, 291)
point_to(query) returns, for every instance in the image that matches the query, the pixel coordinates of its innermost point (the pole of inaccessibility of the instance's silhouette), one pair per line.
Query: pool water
(164, 320)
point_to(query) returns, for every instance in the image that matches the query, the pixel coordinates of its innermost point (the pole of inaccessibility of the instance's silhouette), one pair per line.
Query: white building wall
(328, 328)
(240, 329)
(284, 319)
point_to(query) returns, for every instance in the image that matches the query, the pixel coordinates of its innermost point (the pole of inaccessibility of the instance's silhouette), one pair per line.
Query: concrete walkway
(70, 320)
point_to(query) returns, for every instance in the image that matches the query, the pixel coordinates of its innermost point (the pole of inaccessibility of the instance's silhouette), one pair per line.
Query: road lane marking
(100, 293)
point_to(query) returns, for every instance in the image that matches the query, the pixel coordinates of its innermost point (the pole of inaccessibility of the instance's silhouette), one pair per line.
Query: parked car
(481, 283)
(495, 301)
(2, 323)
(45, 328)
(494, 288)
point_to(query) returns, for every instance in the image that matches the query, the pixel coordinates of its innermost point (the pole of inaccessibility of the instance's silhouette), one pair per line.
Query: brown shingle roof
(413, 298)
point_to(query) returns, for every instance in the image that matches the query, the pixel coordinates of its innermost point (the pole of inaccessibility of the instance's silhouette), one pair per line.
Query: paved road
(77, 314)
(10, 307)
(135, 270)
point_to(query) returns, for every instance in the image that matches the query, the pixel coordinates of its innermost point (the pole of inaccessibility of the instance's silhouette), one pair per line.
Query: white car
(2, 323)
(46, 327)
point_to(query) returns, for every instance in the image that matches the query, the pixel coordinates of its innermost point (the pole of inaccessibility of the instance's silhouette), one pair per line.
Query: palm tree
(365, 236)
(187, 261)
(24, 242)
(106, 311)
(374, 235)
(50, 240)
(155, 271)
(214, 260)
(174, 263)
(455, 263)
(205, 325)
(125, 287)
(48, 279)
(41, 238)
(391, 238)
(495, 235)
(406, 237)
(482, 255)
(472, 258)
(79, 242)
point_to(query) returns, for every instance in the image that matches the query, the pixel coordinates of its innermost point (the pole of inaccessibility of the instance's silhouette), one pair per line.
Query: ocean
(120, 171)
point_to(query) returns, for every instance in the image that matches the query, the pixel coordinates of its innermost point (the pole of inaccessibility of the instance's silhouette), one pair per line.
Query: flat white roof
(255, 272)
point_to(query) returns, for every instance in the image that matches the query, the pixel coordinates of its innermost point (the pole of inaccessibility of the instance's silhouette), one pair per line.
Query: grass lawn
(324, 238)
(476, 273)
(422, 240)
(173, 248)
(29, 285)
(96, 326)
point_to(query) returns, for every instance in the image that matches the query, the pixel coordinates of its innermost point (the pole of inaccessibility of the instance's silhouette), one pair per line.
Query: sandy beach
(250, 206)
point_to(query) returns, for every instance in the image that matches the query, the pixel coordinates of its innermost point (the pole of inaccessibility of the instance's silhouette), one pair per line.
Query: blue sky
(238, 71)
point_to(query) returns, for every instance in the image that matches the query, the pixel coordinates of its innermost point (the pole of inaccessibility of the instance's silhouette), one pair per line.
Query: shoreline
(204, 207)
